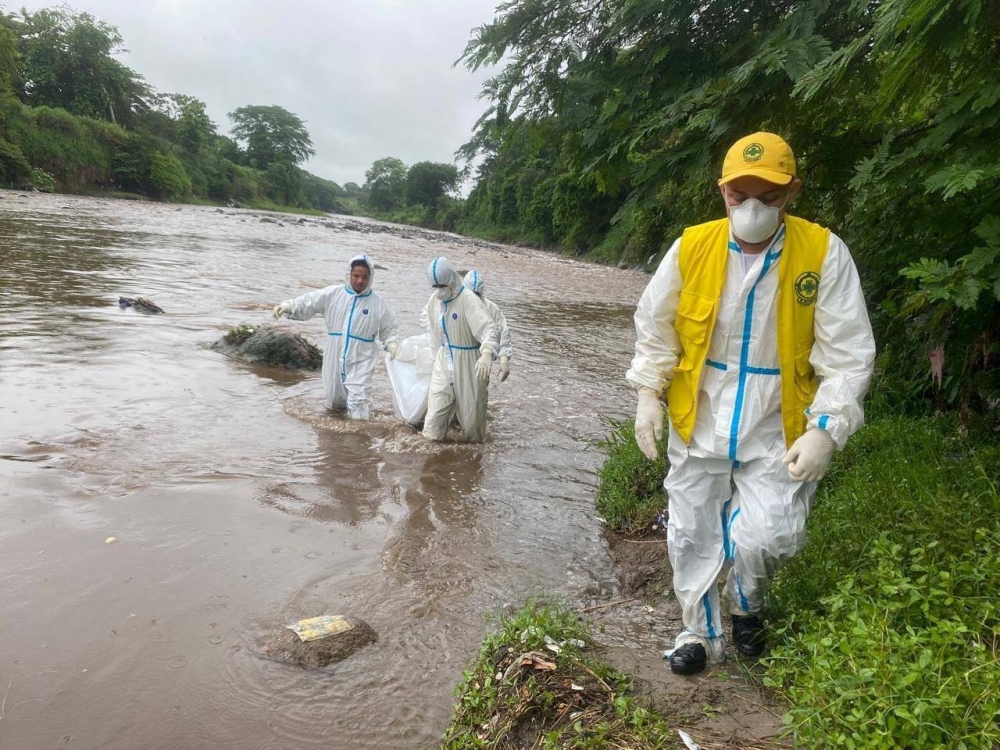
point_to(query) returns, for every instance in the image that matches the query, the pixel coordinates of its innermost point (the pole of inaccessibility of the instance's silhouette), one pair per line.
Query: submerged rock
(272, 346)
(343, 636)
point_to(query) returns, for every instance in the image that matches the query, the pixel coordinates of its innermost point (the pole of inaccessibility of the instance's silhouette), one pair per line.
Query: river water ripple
(240, 506)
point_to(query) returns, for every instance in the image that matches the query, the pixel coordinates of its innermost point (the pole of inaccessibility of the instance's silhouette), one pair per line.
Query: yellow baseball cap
(763, 155)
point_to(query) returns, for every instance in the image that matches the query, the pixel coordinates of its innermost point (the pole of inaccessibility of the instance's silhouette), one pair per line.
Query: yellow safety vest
(704, 252)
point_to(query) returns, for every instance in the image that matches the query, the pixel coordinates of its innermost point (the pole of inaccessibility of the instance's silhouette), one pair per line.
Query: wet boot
(688, 659)
(749, 636)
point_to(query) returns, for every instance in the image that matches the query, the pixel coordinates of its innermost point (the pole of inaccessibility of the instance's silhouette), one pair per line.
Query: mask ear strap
(788, 195)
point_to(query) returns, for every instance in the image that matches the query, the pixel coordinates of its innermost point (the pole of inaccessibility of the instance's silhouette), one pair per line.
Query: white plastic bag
(410, 375)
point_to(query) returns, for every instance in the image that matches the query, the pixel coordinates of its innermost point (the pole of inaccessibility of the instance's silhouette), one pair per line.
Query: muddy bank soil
(724, 707)
(640, 562)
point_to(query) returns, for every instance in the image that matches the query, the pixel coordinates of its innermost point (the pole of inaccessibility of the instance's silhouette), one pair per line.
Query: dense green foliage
(426, 181)
(419, 194)
(630, 492)
(66, 61)
(889, 619)
(273, 135)
(582, 703)
(609, 118)
(74, 118)
(385, 184)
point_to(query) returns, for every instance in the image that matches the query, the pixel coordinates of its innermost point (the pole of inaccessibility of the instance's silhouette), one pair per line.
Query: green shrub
(245, 185)
(237, 335)
(167, 178)
(889, 620)
(41, 180)
(133, 161)
(13, 166)
(76, 151)
(59, 120)
(630, 494)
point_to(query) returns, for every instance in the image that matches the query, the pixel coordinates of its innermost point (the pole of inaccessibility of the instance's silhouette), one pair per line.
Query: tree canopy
(73, 117)
(67, 60)
(385, 181)
(426, 181)
(272, 134)
(608, 121)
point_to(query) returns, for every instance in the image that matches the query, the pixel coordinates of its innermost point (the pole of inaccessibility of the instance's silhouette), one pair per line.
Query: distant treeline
(73, 118)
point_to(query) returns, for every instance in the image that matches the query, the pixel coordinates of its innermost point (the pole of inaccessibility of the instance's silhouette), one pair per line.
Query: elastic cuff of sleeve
(831, 424)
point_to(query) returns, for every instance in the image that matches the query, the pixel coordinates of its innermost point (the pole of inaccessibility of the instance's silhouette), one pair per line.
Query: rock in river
(272, 346)
(320, 641)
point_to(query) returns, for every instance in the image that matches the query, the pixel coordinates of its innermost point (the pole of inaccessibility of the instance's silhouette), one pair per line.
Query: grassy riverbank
(888, 622)
(886, 627)
(535, 683)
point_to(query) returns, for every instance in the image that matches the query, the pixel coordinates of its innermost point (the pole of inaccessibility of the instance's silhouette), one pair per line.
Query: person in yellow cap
(754, 330)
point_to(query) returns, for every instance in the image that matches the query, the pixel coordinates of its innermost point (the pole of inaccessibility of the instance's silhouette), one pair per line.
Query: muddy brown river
(240, 506)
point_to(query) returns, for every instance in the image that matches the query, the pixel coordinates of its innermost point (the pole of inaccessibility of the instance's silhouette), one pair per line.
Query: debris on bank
(535, 684)
(271, 346)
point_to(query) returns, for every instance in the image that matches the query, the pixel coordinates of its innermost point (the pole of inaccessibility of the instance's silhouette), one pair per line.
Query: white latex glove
(392, 349)
(648, 422)
(484, 364)
(809, 457)
(281, 309)
(504, 368)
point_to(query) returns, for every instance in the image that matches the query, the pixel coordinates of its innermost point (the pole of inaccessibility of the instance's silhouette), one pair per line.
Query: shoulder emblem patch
(806, 288)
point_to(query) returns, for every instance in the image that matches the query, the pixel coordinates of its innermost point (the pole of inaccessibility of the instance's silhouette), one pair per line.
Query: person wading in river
(464, 338)
(754, 328)
(355, 317)
(475, 282)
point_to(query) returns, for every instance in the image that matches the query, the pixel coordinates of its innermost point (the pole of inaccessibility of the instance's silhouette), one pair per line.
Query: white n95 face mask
(752, 221)
(444, 294)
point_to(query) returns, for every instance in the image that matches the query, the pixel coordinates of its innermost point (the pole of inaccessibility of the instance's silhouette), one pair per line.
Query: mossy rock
(270, 346)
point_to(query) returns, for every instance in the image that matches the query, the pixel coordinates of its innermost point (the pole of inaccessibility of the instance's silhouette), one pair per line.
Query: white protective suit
(730, 496)
(460, 327)
(475, 282)
(353, 322)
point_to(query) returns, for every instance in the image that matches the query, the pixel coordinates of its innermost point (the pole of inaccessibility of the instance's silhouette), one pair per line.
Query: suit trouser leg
(699, 492)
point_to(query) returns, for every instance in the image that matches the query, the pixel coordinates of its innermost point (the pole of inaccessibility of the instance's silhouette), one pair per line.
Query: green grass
(237, 335)
(888, 622)
(630, 494)
(581, 704)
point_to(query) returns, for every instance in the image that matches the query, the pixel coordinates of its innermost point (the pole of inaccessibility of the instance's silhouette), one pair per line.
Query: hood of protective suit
(474, 282)
(371, 273)
(441, 271)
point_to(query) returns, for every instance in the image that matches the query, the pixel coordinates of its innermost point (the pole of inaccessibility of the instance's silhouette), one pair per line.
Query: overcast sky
(371, 78)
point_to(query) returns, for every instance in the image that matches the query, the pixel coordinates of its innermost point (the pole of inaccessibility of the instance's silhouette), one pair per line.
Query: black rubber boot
(749, 636)
(688, 659)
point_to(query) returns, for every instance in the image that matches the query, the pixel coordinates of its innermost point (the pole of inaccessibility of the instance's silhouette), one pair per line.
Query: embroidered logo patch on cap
(753, 152)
